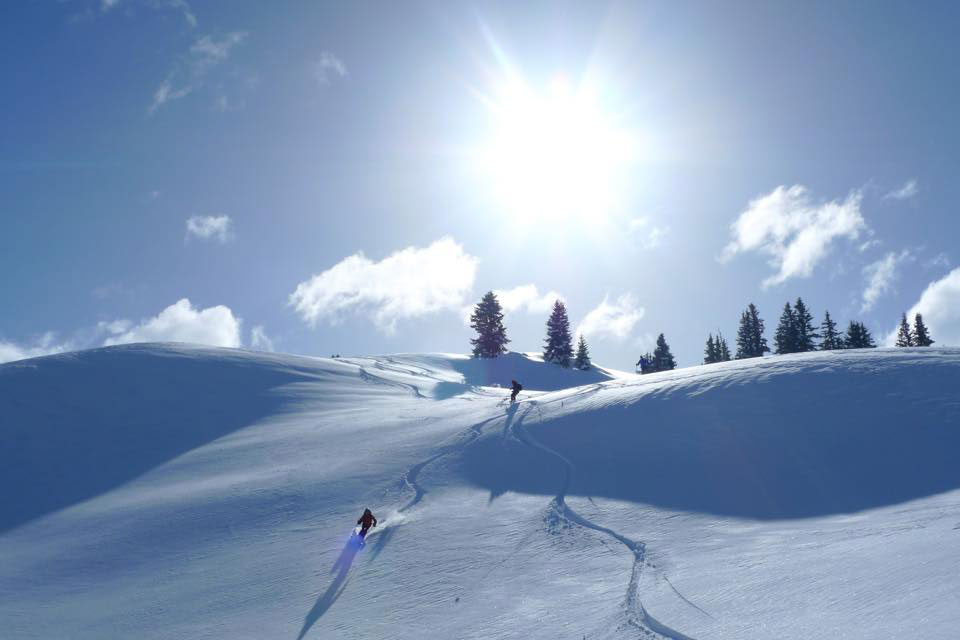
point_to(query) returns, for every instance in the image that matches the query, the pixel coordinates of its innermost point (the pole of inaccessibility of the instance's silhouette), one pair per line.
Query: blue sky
(348, 178)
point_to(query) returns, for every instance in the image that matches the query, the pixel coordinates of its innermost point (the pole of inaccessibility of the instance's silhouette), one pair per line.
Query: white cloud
(329, 65)
(114, 327)
(179, 5)
(180, 322)
(190, 73)
(184, 9)
(526, 296)
(650, 235)
(939, 261)
(940, 306)
(908, 190)
(165, 93)
(208, 51)
(794, 232)
(207, 227)
(880, 276)
(646, 343)
(259, 340)
(614, 320)
(46, 345)
(409, 283)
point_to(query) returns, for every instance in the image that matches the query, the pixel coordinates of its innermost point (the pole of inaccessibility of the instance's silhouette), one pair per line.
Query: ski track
(410, 477)
(680, 595)
(640, 618)
(366, 376)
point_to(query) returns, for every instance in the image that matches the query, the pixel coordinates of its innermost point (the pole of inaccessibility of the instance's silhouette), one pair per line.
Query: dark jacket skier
(517, 388)
(365, 521)
(644, 364)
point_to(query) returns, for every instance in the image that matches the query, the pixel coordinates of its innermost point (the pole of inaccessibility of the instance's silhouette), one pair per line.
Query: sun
(556, 153)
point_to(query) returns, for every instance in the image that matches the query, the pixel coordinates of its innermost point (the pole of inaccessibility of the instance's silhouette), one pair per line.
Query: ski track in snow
(366, 376)
(680, 595)
(410, 477)
(640, 618)
(637, 616)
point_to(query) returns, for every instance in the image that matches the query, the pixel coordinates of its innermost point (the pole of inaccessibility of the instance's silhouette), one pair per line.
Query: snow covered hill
(171, 491)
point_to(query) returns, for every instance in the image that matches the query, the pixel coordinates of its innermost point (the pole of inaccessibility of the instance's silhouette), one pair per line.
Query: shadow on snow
(336, 588)
(785, 445)
(78, 425)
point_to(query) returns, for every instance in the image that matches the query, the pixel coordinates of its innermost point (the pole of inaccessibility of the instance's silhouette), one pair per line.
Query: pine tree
(921, 336)
(662, 358)
(830, 338)
(710, 353)
(804, 327)
(582, 361)
(723, 351)
(743, 336)
(750, 340)
(487, 321)
(904, 335)
(785, 339)
(868, 341)
(558, 348)
(858, 337)
(760, 342)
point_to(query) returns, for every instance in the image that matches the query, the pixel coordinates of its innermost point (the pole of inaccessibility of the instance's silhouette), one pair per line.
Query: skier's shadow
(336, 588)
(496, 492)
(382, 539)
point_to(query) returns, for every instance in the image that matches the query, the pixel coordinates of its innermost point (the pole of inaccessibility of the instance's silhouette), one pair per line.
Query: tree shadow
(336, 588)
(444, 390)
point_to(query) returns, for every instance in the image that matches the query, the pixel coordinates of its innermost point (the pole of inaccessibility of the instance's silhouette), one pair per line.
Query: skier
(643, 364)
(517, 388)
(365, 522)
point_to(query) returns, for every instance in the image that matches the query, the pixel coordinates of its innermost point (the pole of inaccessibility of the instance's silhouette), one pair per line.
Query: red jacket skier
(365, 521)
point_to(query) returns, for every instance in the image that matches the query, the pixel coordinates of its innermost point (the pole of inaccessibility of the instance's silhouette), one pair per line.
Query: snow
(170, 491)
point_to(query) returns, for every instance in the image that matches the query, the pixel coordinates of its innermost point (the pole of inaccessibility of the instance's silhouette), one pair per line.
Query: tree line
(491, 340)
(795, 333)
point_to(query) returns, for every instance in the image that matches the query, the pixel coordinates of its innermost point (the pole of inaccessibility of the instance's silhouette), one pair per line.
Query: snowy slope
(170, 491)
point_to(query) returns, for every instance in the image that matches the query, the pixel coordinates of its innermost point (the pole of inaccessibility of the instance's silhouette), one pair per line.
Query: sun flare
(556, 153)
